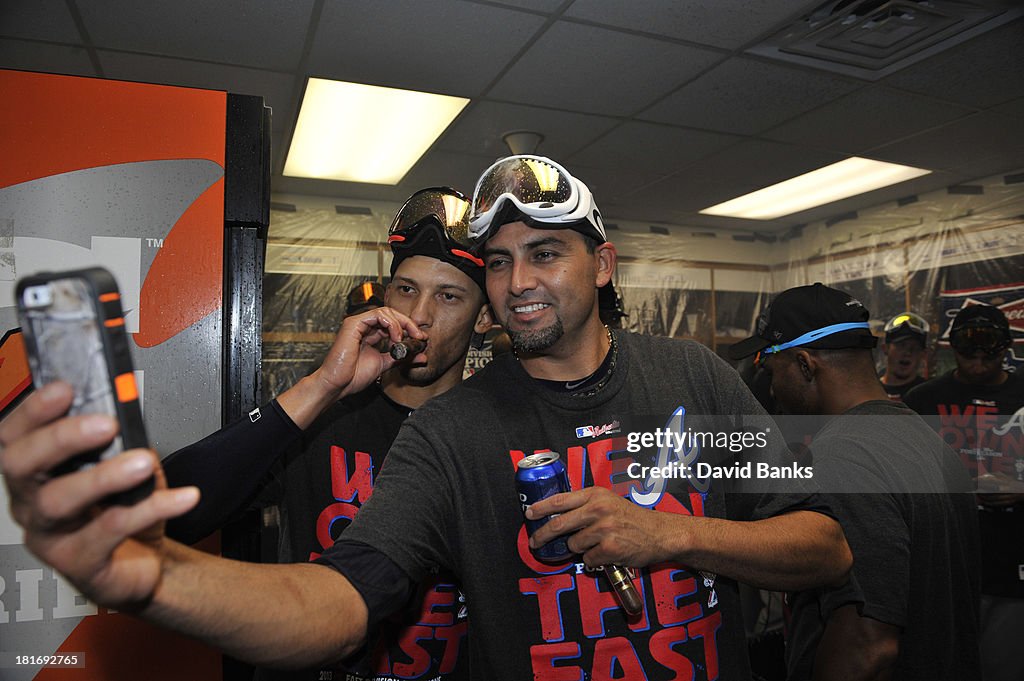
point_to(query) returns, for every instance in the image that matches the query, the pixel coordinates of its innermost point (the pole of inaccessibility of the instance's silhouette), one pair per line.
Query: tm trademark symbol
(155, 243)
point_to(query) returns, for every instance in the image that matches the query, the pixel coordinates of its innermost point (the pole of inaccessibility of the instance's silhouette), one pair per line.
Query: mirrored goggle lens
(909, 319)
(450, 211)
(531, 181)
(987, 340)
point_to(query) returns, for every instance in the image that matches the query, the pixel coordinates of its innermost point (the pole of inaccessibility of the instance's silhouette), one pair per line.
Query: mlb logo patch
(585, 431)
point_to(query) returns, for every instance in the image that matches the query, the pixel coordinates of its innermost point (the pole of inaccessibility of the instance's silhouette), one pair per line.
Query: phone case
(74, 332)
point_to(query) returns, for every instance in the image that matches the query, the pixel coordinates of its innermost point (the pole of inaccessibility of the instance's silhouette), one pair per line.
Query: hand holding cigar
(406, 348)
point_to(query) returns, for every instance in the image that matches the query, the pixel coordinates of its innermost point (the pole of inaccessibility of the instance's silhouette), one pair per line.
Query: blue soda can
(539, 476)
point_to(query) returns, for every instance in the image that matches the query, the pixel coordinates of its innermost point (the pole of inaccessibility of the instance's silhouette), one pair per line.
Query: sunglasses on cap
(986, 340)
(540, 189)
(442, 208)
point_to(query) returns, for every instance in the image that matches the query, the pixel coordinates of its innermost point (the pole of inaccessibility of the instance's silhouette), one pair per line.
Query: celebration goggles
(435, 222)
(904, 325)
(810, 337)
(539, 189)
(987, 340)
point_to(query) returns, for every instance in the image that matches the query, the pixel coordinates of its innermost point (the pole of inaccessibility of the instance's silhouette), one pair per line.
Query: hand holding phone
(74, 332)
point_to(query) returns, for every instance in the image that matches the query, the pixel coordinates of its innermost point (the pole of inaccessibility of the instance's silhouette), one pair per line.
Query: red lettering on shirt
(360, 483)
(670, 586)
(951, 414)
(452, 637)
(419, 659)
(707, 629)
(661, 646)
(547, 590)
(437, 606)
(325, 521)
(544, 657)
(615, 658)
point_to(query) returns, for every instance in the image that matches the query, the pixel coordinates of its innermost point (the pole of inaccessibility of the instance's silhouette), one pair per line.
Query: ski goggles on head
(539, 189)
(987, 340)
(434, 223)
(446, 207)
(443, 210)
(905, 325)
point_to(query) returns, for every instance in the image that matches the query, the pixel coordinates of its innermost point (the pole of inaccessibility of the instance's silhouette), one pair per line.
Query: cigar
(408, 348)
(625, 592)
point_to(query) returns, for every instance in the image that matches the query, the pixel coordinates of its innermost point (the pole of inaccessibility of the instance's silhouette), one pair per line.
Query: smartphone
(74, 331)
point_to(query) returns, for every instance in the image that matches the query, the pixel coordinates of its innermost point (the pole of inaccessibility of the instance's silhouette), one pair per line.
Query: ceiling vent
(871, 39)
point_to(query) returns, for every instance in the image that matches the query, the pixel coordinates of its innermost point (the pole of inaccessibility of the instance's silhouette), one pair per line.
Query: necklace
(607, 366)
(613, 353)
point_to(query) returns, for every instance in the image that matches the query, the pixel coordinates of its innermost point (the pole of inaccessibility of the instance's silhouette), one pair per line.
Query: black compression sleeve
(228, 467)
(383, 585)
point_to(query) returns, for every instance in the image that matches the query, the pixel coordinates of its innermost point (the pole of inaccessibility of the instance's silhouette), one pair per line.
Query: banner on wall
(1009, 298)
(130, 177)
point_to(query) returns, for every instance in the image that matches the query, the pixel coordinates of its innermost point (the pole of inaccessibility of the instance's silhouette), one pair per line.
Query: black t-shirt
(325, 480)
(889, 479)
(985, 426)
(320, 479)
(897, 392)
(446, 498)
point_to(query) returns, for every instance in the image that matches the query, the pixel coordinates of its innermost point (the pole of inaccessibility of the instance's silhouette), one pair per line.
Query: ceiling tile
(984, 71)
(865, 119)
(744, 167)
(1013, 108)
(33, 56)
(727, 24)
(39, 20)
(275, 88)
(479, 129)
(975, 138)
(610, 186)
(260, 33)
(651, 148)
(746, 96)
(445, 46)
(536, 5)
(597, 70)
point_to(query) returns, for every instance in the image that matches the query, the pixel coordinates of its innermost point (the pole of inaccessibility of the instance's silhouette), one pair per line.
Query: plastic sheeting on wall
(690, 283)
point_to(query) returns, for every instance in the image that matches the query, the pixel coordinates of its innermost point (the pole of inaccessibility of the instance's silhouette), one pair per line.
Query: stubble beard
(525, 342)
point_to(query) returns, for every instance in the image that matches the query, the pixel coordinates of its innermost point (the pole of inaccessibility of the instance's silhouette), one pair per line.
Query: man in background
(909, 610)
(906, 337)
(367, 296)
(980, 410)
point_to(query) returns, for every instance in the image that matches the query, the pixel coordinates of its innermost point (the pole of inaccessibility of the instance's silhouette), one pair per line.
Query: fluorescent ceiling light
(833, 182)
(365, 133)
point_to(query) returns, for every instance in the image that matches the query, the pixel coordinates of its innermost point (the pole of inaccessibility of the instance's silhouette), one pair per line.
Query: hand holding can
(540, 476)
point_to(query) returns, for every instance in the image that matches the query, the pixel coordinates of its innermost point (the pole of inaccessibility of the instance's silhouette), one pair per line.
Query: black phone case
(74, 331)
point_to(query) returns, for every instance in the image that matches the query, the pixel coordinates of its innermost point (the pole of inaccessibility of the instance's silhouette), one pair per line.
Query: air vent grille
(871, 39)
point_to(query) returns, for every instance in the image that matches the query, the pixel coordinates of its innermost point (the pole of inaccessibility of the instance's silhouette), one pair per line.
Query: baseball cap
(813, 316)
(366, 295)
(906, 325)
(980, 327)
